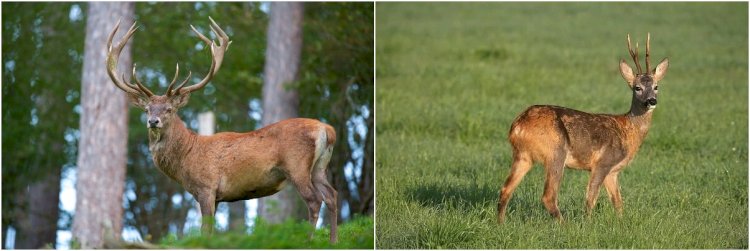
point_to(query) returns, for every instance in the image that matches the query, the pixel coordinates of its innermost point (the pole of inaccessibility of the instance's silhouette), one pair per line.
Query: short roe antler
(634, 54)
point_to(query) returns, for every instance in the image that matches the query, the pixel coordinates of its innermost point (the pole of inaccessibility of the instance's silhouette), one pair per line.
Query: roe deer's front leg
(592, 191)
(613, 190)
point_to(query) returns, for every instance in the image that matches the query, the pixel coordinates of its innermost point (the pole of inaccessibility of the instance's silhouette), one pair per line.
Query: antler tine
(634, 55)
(179, 87)
(224, 42)
(171, 84)
(113, 56)
(648, 49)
(143, 89)
(217, 55)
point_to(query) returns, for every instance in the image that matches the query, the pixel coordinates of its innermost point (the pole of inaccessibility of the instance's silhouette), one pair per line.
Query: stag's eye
(656, 88)
(638, 88)
(169, 109)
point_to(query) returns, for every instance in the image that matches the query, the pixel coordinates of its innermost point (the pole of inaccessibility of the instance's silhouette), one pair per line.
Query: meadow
(451, 77)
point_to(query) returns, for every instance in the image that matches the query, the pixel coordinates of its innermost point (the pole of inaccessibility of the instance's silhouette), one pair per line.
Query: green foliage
(449, 88)
(337, 74)
(42, 49)
(355, 234)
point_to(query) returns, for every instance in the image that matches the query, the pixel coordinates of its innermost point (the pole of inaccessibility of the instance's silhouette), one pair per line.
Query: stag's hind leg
(522, 163)
(310, 195)
(554, 171)
(330, 197)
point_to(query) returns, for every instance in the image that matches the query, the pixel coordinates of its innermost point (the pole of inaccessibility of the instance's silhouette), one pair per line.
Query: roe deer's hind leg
(554, 172)
(522, 163)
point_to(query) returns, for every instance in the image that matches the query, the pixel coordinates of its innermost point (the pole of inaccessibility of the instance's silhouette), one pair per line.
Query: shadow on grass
(463, 197)
(470, 198)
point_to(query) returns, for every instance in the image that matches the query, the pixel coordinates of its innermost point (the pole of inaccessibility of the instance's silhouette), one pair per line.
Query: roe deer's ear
(661, 69)
(627, 73)
(181, 99)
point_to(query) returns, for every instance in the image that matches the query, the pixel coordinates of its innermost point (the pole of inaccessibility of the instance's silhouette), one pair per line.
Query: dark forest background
(42, 62)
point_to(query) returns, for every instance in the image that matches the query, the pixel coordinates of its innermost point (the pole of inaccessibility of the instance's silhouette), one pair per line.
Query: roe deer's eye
(638, 88)
(656, 88)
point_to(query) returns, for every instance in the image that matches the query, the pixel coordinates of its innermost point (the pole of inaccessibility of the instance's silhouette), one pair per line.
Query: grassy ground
(451, 77)
(354, 234)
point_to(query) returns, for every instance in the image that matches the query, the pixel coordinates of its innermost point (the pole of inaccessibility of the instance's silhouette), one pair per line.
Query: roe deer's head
(161, 109)
(644, 85)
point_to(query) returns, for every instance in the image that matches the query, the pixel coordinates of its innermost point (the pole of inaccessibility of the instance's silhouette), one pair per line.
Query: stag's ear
(661, 69)
(137, 100)
(180, 100)
(627, 73)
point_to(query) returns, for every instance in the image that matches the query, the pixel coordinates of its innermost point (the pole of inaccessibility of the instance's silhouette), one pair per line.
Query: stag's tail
(324, 148)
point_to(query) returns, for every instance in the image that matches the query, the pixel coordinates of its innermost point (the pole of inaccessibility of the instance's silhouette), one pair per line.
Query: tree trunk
(280, 100)
(237, 216)
(39, 227)
(102, 149)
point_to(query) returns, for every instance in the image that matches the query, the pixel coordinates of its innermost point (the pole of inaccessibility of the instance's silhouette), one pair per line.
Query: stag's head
(162, 108)
(645, 86)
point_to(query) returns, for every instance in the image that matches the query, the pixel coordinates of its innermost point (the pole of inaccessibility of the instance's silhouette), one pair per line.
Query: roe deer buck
(600, 143)
(231, 166)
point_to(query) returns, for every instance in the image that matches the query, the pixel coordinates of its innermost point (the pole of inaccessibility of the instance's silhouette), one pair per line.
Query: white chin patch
(651, 107)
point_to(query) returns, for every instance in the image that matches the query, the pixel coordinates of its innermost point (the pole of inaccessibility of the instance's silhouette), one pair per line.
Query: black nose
(153, 122)
(651, 101)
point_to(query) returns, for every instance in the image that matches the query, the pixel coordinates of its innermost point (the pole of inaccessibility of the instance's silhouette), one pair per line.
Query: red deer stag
(600, 143)
(230, 166)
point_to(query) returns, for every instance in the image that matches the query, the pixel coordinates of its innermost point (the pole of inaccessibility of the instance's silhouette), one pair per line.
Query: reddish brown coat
(603, 144)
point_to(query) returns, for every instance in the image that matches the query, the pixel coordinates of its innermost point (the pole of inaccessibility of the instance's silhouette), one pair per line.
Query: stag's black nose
(153, 122)
(651, 101)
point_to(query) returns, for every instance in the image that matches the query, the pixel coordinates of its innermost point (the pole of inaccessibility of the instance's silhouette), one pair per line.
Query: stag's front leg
(207, 201)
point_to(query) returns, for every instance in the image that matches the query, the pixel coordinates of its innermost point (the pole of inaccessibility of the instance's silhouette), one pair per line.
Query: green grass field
(451, 77)
(354, 234)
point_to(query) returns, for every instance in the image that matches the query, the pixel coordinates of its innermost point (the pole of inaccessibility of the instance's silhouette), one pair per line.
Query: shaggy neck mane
(170, 144)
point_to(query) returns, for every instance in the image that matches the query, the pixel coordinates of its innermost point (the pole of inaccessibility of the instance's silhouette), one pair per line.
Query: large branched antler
(139, 90)
(217, 56)
(113, 55)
